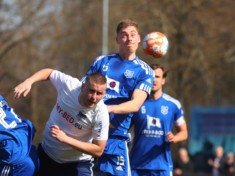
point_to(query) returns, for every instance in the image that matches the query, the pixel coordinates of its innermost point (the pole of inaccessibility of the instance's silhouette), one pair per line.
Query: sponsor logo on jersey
(153, 122)
(153, 133)
(69, 118)
(100, 127)
(129, 74)
(109, 96)
(81, 115)
(164, 110)
(113, 84)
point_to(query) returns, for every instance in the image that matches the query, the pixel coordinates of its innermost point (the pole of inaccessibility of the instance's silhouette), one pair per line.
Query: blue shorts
(145, 172)
(27, 167)
(48, 167)
(115, 159)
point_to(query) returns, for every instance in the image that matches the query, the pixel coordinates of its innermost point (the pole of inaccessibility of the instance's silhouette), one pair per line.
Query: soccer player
(77, 128)
(153, 126)
(18, 157)
(129, 81)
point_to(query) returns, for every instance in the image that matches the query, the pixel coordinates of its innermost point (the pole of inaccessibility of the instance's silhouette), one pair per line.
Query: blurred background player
(229, 164)
(217, 162)
(183, 164)
(77, 128)
(129, 82)
(153, 126)
(17, 155)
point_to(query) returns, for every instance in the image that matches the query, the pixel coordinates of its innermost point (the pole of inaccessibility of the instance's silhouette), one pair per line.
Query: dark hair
(156, 66)
(97, 78)
(125, 23)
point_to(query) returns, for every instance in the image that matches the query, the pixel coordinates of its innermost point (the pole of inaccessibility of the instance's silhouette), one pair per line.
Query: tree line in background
(67, 35)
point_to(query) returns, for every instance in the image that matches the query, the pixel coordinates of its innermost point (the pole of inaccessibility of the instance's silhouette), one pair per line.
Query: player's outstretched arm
(25, 87)
(133, 105)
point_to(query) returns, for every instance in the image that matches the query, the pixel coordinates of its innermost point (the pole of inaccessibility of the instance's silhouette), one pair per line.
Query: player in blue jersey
(129, 81)
(18, 157)
(153, 126)
(77, 128)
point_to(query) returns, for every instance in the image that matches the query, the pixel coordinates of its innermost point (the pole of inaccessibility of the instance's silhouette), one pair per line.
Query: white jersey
(84, 124)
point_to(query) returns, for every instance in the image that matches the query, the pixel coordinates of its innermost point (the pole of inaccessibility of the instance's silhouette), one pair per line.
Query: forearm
(25, 87)
(41, 75)
(132, 105)
(180, 136)
(124, 108)
(85, 147)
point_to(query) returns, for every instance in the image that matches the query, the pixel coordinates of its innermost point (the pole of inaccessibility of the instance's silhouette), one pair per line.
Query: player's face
(159, 81)
(92, 93)
(128, 39)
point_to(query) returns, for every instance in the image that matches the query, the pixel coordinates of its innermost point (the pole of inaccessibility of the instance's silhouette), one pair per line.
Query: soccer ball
(155, 44)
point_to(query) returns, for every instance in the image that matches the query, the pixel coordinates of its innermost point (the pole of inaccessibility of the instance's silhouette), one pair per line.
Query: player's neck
(127, 56)
(156, 95)
(82, 102)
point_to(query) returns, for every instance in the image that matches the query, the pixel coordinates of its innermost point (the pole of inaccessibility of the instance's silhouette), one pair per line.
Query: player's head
(128, 37)
(160, 77)
(126, 23)
(157, 66)
(93, 90)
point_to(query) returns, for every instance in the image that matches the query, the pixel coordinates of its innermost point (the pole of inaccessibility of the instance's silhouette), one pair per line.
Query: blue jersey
(152, 122)
(123, 77)
(16, 135)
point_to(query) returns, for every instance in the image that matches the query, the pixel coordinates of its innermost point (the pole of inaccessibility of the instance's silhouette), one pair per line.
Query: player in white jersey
(129, 82)
(77, 128)
(153, 126)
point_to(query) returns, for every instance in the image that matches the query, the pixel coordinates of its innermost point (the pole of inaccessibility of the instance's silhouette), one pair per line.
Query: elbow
(98, 154)
(135, 109)
(186, 136)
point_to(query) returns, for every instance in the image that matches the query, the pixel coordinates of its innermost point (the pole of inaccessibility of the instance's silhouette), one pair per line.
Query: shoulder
(102, 111)
(101, 107)
(58, 76)
(144, 66)
(172, 100)
(105, 58)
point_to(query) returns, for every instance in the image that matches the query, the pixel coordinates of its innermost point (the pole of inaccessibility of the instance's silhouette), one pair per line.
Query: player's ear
(83, 87)
(139, 38)
(163, 81)
(117, 40)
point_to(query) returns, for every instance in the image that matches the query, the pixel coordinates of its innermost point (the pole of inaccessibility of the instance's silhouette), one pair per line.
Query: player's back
(15, 135)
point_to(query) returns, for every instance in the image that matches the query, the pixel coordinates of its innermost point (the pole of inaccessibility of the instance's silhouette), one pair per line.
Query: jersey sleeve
(101, 127)
(179, 114)
(146, 79)
(62, 81)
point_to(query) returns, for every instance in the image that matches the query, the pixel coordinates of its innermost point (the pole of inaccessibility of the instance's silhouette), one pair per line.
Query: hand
(170, 137)
(22, 88)
(57, 133)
